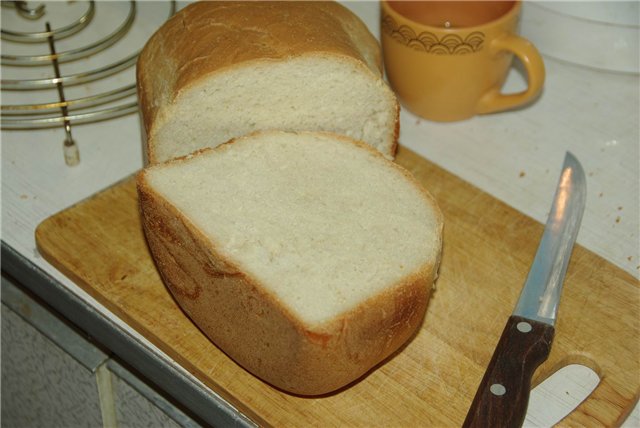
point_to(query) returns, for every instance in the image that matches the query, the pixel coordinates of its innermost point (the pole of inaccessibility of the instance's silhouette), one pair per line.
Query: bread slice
(307, 257)
(219, 70)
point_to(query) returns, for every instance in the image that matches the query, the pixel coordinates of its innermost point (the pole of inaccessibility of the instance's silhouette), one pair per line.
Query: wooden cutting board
(488, 248)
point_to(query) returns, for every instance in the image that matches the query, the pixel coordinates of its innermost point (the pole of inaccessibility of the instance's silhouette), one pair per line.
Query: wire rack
(68, 63)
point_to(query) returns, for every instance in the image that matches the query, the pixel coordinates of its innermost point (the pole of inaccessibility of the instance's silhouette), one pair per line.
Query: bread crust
(261, 334)
(212, 37)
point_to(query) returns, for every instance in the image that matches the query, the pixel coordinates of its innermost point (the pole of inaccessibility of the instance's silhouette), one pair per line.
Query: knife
(503, 395)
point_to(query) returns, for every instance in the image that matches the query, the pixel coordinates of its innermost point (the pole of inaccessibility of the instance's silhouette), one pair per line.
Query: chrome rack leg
(70, 148)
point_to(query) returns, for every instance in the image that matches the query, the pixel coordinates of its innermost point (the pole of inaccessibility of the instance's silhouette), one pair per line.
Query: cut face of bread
(218, 70)
(307, 257)
(311, 92)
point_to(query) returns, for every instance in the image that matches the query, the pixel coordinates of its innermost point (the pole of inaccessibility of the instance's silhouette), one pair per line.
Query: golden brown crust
(249, 324)
(396, 131)
(211, 36)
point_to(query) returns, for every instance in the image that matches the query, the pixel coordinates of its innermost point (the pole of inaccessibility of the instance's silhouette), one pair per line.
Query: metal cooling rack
(105, 104)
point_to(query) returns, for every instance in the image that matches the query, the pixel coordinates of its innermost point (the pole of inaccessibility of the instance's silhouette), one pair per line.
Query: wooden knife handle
(503, 394)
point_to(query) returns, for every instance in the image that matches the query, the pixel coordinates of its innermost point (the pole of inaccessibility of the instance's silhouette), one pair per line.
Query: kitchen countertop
(514, 156)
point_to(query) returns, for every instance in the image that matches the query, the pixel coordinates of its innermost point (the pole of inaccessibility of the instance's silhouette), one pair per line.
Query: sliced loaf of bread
(218, 70)
(307, 257)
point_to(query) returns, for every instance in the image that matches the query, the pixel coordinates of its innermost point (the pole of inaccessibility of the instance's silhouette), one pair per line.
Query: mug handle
(494, 100)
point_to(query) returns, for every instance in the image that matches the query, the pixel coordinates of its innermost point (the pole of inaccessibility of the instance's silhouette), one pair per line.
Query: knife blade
(503, 394)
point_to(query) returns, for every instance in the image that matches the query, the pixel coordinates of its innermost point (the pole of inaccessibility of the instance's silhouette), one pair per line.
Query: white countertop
(514, 156)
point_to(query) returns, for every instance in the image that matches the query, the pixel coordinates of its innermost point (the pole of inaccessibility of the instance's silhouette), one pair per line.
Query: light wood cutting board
(488, 248)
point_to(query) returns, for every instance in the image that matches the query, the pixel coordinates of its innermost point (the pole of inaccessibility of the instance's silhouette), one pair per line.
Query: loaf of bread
(306, 257)
(218, 70)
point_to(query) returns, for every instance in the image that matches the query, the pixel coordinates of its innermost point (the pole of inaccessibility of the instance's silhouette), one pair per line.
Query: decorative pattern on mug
(450, 44)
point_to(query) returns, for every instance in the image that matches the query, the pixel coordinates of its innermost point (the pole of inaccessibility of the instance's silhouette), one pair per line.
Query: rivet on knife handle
(503, 394)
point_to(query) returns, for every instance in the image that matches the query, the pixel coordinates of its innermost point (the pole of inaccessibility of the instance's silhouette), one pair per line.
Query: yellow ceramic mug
(448, 60)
